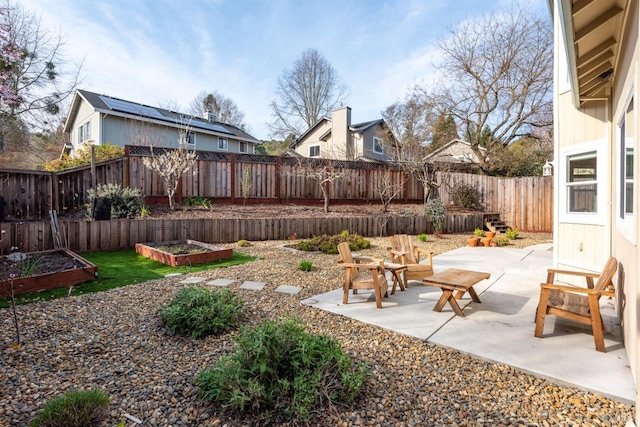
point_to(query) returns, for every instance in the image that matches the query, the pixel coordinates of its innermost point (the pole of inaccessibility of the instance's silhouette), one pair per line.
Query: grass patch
(123, 268)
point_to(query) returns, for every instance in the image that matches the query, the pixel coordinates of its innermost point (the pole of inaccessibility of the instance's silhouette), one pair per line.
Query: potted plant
(486, 241)
(491, 234)
(473, 241)
(478, 232)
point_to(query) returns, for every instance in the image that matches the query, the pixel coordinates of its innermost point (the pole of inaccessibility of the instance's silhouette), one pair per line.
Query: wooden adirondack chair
(362, 273)
(577, 303)
(404, 252)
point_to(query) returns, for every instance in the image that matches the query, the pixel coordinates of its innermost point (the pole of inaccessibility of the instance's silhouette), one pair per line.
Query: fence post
(367, 176)
(278, 179)
(232, 178)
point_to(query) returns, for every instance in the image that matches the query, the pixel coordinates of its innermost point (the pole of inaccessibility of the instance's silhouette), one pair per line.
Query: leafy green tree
(524, 157)
(445, 130)
(274, 147)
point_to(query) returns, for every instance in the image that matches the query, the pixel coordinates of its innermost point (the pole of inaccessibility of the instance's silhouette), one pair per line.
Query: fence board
(526, 203)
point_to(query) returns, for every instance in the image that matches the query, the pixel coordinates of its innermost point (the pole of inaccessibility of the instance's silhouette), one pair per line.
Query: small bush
(125, 202)
(422, 237)
(202, 202)
(74, 409)
(305, 265)
(197, 311)
(479, 232)
(103, 152)
(466, 196)
(329, 244)
(280, 373)
(435, 213)
(502, 241)
(512, 233)
(243, 243)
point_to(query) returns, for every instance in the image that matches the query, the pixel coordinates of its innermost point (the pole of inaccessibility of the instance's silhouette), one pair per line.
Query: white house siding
(582, 245)
(313, 138)
(623, 240)
(85, 113)
(597, 123)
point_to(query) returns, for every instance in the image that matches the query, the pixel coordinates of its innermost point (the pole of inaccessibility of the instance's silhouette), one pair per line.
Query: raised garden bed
(39, 271)
(182, 252)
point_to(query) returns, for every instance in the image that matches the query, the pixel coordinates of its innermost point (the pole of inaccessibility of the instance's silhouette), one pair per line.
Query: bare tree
(411, 123)
(305, 92)
(171, 165)
(496, 76)
(320, 171)
(35, 76)
(389, 188)
(225, 110)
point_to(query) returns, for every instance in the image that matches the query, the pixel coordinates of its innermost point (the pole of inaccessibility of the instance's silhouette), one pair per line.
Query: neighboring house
(597, 202)
(336, 138)
(98, 119)
(455, 155)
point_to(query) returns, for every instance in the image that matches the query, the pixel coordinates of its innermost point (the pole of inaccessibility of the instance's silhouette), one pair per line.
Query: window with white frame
(626, 171)
(187, 138)
(582, 183)
(377, 145)
(223, 144)
(84, 132)
(314, 151)
(244, 147)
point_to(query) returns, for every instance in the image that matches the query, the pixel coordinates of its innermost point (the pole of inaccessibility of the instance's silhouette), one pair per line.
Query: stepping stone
(220, 282)
(288, 289)
(172, 275)
(256, 286)
(194, 280)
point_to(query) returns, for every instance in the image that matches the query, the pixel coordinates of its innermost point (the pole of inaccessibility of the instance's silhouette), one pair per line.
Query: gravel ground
(114, 340)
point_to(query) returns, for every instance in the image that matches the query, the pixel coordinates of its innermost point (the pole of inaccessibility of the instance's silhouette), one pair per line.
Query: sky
(165, 52)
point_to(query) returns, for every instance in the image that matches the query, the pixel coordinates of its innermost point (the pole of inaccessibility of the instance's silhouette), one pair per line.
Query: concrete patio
(500, 329)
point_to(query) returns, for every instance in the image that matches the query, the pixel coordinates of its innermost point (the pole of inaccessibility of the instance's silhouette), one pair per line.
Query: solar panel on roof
(210, 126)
(130, 107)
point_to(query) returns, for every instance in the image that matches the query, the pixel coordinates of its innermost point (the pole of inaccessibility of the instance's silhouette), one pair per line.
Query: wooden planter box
(77, 270)
(208, 254)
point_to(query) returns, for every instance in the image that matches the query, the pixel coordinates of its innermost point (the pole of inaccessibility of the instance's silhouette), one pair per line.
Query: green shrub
(125, 202)
(422, 237)
(502, 241)
(512, 233)
(479, 232)
(243, 243)
(74, 409)
(202, 202)
(280, 373)
(435, 213)
(466, 196)
(198, 311)
(102, 152)
(305, 265)
(329, 244)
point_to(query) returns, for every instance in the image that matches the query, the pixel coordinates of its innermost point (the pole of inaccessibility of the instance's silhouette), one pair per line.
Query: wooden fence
(89, 236)
(523, 202)
(526, 203)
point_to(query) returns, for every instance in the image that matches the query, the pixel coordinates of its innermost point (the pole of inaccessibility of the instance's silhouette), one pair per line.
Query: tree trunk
(325, 193)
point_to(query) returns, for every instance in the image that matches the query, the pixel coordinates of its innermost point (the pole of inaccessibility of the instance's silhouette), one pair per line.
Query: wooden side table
(457, 280)
(397, 273)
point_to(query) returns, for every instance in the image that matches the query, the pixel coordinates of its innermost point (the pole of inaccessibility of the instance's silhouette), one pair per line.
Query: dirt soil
(258, 211)
(32, 264)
